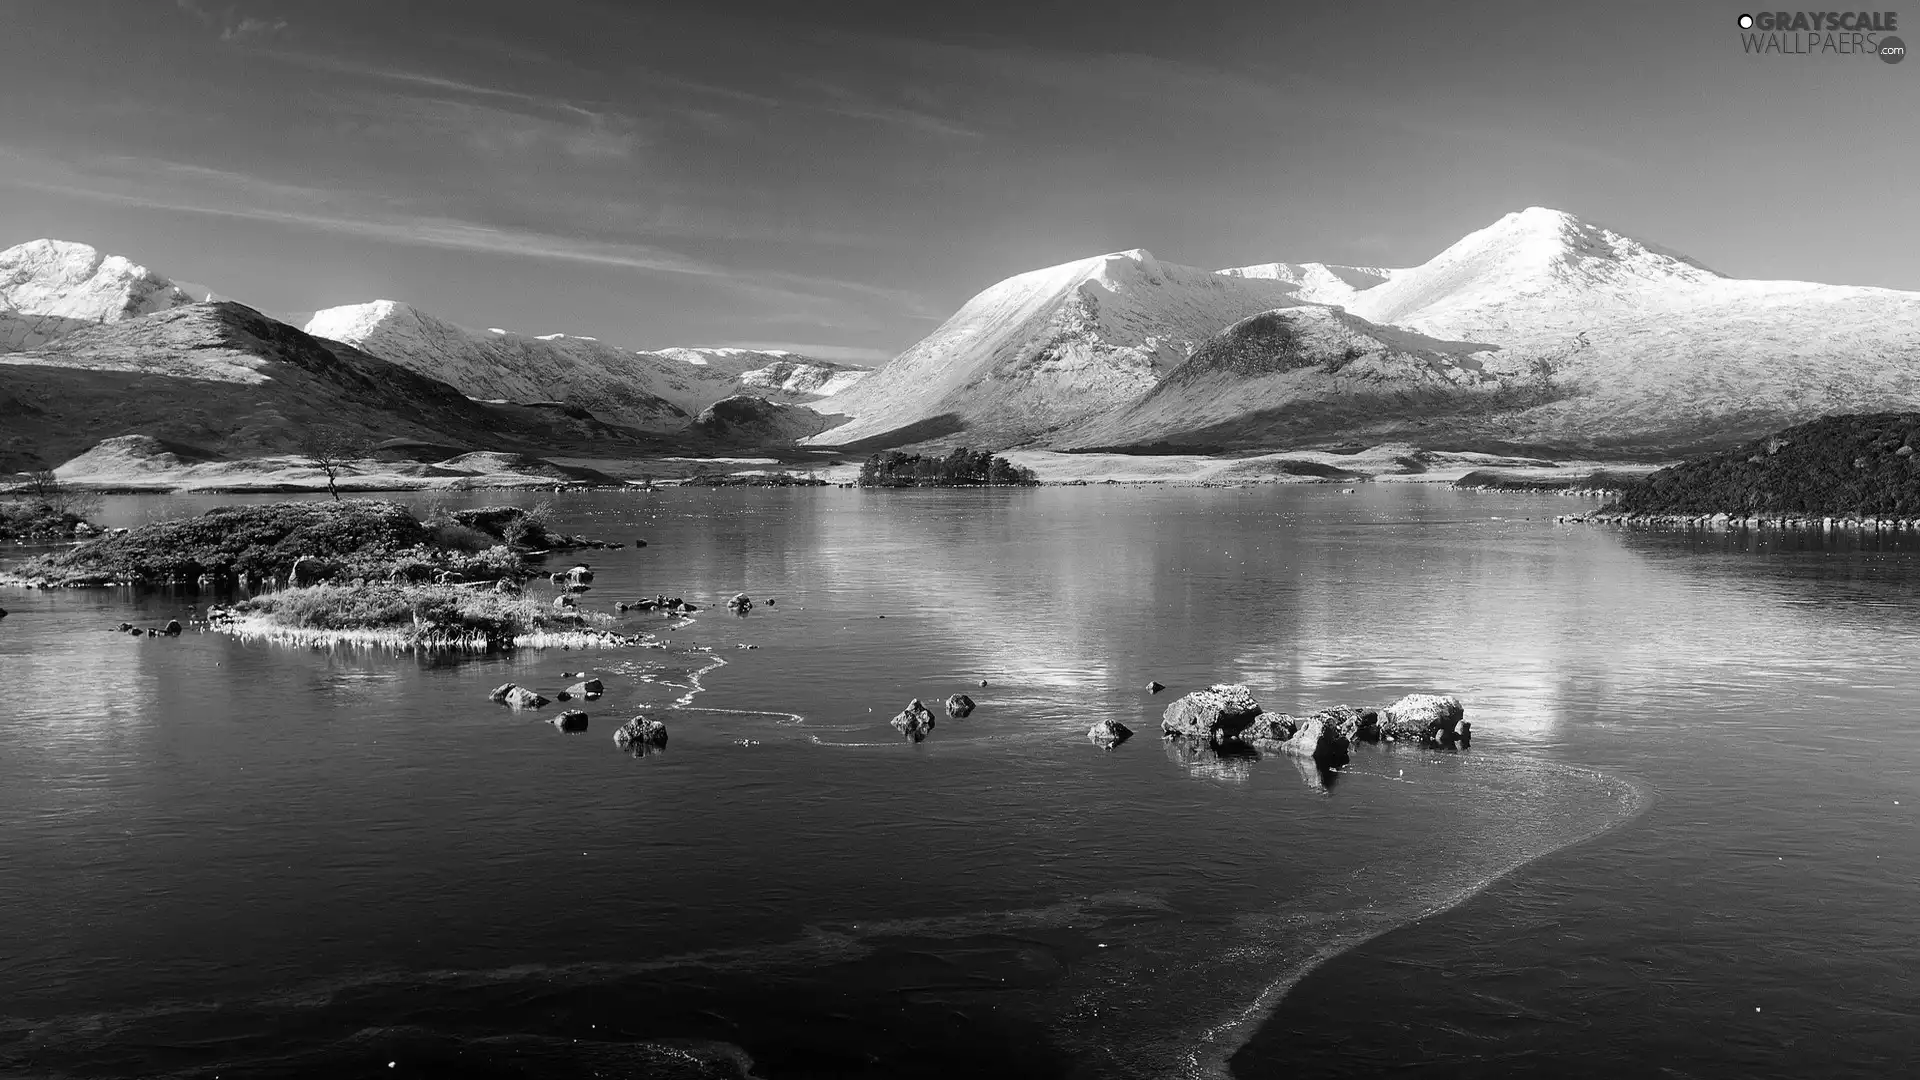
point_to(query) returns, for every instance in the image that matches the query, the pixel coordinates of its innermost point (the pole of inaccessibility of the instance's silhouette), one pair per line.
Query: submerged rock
(571, 721)
(1155, 687)
(517, 696)
(741, 603)
(959, 705)
(1109, 733)
(915, 721)
(641, 731)
(1229, 760)
(1218, 712)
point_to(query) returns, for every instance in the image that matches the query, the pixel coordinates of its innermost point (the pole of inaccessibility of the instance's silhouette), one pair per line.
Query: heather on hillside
(1862, 464)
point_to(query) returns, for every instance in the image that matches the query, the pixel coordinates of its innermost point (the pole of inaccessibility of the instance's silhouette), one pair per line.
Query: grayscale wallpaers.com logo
(1831, 33)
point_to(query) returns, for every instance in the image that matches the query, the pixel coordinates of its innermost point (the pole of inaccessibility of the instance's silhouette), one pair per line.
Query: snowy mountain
(49, 288)
(1643, 347)
(1540, 331)
(1318, 283)
(655, 391)
(1042, 350)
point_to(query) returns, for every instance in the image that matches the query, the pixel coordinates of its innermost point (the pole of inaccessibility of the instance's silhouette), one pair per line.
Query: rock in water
(1317, 737)
(590, 689)
(741, 603)
(641, 731)
(1109, 733)
(915, 721)
(1218, 712)
(3, 613)
(517, 696)
(959, 705)
(1355, 724)
(173, 628)
(565, 602)
(1428, 717)
(1155, 687)
(571, 721)
(580, 575)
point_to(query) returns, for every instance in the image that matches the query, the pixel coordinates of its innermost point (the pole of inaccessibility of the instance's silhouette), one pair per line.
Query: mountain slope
(1308, 374)
(773, 374)
(224, 378)
(1042, 350)
(49, 288)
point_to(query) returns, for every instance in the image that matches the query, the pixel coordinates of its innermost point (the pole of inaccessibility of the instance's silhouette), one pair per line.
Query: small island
(961, 468)
(346, 572)
(1849, 471)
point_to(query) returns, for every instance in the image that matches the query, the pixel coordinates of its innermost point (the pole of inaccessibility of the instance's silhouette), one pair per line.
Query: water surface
(237, 859)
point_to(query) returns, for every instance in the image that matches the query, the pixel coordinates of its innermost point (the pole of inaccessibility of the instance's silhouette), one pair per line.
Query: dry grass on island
(354, 572)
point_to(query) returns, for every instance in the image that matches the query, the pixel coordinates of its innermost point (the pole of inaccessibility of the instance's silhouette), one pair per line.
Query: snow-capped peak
(51, 287)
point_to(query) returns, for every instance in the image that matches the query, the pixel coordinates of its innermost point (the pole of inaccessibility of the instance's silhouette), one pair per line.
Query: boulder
(571, 721)
(173, 628)
(3, 613)
(506, 587)
(1353, 723)
(579, 575)
(1317, 737)
(741, 602)
(517, 696)
(124, 628)
(959, 705)
(1426, 717)
(641, 731)
(589, 690)
(305, 571)
(1109, 733)
(565, 602)
(1218, 712)
(914, 721)
(1155, 687)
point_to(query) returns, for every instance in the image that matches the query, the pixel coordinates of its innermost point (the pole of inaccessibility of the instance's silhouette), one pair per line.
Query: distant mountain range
(1541, 333)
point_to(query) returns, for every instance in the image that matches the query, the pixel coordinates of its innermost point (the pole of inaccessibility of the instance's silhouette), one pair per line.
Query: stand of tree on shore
(961, 468)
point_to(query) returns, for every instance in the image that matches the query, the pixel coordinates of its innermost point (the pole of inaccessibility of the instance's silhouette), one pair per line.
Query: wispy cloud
(231, 24)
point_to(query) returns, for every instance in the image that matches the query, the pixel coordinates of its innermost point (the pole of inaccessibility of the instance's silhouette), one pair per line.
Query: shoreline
(254, 628)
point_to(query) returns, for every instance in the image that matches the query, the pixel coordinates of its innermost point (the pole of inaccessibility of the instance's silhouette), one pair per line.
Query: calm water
(1683, 839)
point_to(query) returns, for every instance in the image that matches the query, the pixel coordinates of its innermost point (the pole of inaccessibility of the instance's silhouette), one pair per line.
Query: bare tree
(331, 450)
(45, 486)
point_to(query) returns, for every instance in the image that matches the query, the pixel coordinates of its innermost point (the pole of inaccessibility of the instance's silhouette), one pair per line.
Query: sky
(838, 178)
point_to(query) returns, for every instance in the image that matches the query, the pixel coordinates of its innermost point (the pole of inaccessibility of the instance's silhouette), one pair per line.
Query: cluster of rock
(916, 720)
(669, 605)
(172, 629)
(640, 734)
(1743, 522)
(1228, 715)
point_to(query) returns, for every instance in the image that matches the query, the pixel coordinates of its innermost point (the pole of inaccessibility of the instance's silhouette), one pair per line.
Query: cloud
(231, 24)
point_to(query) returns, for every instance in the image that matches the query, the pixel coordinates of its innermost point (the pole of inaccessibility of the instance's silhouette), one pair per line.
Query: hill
(1318, 283)
(225, 380)
(1043, 350)
(1849, 465)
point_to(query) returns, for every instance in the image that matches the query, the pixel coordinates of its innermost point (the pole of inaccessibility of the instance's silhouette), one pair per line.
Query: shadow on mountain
(933, 427)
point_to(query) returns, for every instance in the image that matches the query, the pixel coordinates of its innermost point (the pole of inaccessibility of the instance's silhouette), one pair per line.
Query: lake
(1683, 838)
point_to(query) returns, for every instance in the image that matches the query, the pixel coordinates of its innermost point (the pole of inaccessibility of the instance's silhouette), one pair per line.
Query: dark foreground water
(1683, 842)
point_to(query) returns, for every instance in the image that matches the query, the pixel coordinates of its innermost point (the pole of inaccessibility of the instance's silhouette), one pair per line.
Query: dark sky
(838, 177)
